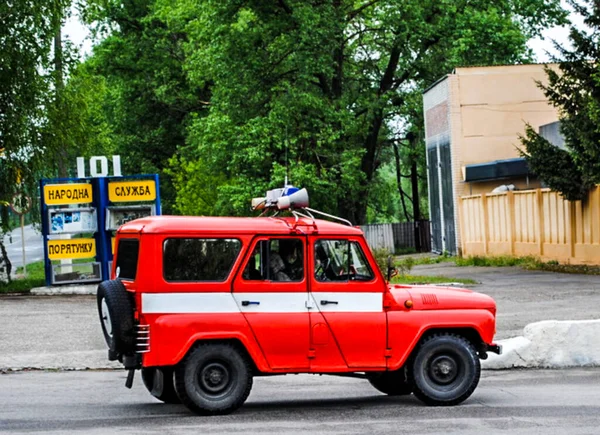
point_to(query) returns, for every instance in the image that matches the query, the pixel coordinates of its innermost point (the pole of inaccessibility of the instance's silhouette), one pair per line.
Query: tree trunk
(414, 182)
(59, 85)
(5, 265)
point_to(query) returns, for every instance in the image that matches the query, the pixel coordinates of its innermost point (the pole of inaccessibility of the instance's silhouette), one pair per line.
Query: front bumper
(494, 348)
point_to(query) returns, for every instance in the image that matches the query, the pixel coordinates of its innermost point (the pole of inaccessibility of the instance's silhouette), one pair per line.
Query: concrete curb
(550, 344)
(81, 360)
(83, 289)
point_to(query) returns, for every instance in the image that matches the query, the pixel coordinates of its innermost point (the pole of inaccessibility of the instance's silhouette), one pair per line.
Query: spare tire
(116, 316)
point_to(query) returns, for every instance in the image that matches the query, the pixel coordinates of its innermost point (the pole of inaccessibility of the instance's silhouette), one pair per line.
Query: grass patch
(34, 270)
(528, 263)
(35, 278)
(499, 261)
(23, 285)
(552, 266)
(421, 279)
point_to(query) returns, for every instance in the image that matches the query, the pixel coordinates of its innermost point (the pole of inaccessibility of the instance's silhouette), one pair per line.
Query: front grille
(142, 338)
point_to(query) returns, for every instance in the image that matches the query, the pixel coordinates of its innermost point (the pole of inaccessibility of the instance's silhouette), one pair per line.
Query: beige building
(473, 119)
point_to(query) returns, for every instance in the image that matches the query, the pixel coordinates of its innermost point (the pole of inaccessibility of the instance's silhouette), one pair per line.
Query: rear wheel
(445, 370)
(214, 379)
(391, 383)
(159, 382)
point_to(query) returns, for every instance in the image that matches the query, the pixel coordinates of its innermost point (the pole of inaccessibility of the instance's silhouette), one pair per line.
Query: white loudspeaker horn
(295, 200)
(258, 203)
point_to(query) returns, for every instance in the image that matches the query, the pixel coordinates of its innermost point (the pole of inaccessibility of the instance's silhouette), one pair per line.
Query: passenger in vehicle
(291, 253)
(277, 266)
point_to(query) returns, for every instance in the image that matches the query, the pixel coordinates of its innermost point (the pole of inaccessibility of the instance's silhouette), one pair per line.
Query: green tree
(318, 86)
(26, 40)
(147, 99)
(575, 90)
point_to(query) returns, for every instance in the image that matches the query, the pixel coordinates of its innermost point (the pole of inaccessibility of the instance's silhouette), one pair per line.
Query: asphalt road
(518, 402)
(64, 331)
(34, 248)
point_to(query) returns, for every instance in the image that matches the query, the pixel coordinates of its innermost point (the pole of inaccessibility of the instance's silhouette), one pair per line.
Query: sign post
(91, 209)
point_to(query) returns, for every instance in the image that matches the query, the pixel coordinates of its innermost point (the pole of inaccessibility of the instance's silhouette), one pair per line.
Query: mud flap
(129, 381)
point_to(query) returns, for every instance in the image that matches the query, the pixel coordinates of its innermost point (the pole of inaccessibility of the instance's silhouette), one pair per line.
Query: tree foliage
(575, 90)
(239, 94)
(148, 97)
(555, 166)
(26, 38)
(319, 85)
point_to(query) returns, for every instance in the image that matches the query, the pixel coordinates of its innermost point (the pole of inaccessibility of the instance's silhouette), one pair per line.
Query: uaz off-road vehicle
(203, 304)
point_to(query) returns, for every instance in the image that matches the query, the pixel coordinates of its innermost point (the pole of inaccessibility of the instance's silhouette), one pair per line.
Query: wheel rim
(443, 369)
(106, 318)
(214, 378)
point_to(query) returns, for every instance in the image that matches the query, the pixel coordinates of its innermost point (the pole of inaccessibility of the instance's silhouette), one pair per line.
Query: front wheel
(445, 370)
(159, 382)
(214, 379)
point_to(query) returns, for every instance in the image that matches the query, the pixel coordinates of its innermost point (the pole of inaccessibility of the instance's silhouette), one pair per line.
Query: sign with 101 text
(74, 193)
(71, 249)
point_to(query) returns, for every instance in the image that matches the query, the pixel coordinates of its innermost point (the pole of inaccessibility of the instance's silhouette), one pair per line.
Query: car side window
(199, 259)
(340, 260)
(276, 260)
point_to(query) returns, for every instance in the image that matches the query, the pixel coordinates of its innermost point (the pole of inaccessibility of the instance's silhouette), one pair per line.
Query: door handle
(246, 303)
(329, 302)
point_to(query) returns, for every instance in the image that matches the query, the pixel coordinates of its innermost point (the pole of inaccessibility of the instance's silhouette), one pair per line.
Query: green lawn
(35, 277)
(421, 279)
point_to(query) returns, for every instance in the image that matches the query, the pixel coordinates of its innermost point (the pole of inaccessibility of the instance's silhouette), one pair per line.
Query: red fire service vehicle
(203, 304)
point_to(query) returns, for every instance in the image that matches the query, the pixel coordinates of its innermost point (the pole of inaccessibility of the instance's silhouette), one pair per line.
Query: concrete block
(87, 289)
(551, 344)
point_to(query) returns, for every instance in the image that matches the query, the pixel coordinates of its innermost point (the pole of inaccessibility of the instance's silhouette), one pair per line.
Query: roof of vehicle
(235, 225)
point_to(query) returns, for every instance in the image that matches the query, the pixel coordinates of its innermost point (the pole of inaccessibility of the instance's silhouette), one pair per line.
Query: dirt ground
(527, 296)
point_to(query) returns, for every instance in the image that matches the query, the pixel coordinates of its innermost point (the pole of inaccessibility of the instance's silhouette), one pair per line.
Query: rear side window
(199, 259)
(127, 258)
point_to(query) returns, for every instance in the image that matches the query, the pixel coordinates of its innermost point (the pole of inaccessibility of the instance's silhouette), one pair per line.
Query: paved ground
(528, 296)
(64, 331)
(34, 249)
(51, 332)
(516, 402)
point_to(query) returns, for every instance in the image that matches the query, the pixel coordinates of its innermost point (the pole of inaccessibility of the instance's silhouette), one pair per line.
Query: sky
(542, 47)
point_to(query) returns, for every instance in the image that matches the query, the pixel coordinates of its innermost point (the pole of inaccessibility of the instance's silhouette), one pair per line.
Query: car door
(348, 293)
(271, 291)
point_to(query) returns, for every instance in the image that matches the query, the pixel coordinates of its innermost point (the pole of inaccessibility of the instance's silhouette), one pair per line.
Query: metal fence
(399, 236)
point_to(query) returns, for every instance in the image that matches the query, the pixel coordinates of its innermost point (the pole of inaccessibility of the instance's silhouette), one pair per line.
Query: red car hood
(428, 297)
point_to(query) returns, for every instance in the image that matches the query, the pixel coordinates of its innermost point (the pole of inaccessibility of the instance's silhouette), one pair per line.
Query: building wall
(436, 103)
(493, 106)
(487, 110)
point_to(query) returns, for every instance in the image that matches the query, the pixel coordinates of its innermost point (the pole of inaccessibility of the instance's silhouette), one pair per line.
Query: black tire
(160, 383)
(391, 383)
(213, 379)
(116, 316)
(445, 370)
